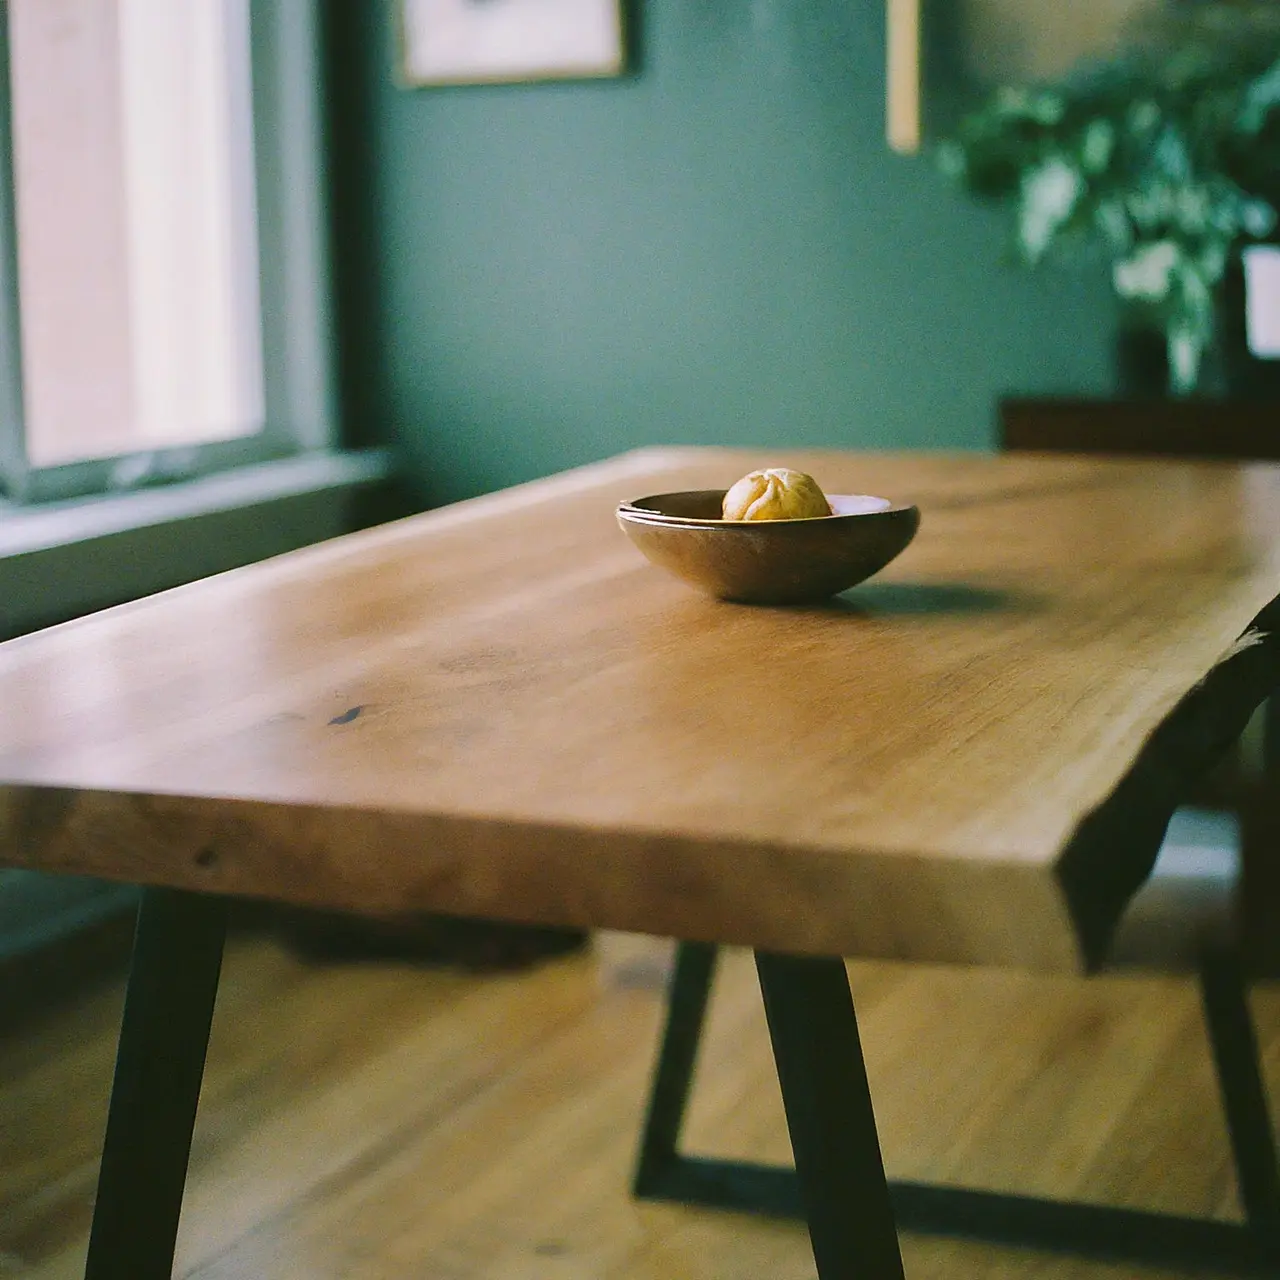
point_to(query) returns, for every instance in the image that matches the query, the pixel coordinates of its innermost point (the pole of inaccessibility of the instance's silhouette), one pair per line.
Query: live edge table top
(499, 709)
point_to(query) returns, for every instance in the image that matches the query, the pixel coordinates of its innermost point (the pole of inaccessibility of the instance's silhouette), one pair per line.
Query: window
(163, 285)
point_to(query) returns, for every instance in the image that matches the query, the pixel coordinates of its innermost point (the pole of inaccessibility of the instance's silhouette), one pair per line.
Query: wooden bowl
(768, 561)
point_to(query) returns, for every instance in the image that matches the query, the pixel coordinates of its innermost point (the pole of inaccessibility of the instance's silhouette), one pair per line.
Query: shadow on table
(913, 599)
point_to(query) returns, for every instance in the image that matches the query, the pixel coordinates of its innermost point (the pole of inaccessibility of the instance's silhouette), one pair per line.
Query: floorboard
(381, 1121)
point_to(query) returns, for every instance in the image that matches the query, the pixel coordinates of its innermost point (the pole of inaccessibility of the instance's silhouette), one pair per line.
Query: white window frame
(298, 332)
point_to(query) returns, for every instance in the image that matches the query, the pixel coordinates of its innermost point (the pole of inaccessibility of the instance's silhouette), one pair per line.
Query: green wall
(719, 248)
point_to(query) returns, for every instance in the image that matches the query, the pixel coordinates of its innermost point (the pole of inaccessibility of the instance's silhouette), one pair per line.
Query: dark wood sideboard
(1244, 429)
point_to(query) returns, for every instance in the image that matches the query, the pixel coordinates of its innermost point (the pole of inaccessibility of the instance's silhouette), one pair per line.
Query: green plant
(1169, 156)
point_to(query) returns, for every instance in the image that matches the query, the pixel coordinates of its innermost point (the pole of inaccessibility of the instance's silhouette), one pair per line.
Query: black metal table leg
(829, 1116)
(673, 1080)
(177, 955)
(1134, 1236)
(1234, 1044)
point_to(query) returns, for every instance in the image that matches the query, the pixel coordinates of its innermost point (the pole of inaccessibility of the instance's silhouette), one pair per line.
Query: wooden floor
(384, 1123)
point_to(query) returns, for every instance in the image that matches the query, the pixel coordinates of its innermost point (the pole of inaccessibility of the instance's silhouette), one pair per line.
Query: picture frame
(943, 57)
(474, 42)
(904, 87)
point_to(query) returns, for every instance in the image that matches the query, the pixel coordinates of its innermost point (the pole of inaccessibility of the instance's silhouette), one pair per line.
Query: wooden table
(500, 710)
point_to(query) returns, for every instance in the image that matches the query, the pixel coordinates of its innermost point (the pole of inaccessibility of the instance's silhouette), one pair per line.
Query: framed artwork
(1022, 42)
(504, 41)
(944, 56)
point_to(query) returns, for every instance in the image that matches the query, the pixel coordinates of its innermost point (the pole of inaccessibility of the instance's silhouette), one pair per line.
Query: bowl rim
(629, 510)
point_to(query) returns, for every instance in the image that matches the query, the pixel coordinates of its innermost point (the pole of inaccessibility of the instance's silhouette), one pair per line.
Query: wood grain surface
(500, 709)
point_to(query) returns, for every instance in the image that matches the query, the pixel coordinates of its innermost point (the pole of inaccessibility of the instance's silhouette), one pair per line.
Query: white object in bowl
(856, 504)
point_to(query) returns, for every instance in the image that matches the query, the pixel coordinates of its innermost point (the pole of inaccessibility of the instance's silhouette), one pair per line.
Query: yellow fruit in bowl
(776, 493)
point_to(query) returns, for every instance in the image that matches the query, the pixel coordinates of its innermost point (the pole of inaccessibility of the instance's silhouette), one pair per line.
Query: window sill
(64, 558)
